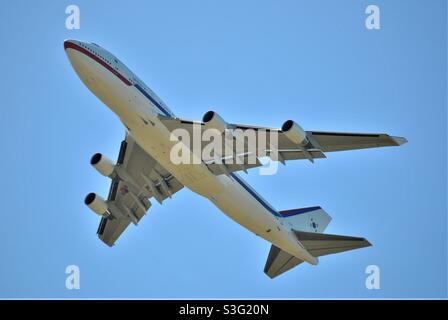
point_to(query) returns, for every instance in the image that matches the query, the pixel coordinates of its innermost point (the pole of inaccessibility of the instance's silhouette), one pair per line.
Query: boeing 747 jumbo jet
(145, 169)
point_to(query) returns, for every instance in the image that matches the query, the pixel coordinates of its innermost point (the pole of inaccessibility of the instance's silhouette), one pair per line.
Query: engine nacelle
(102, 164)
(212, 120)
(96, 204)
(295, 133)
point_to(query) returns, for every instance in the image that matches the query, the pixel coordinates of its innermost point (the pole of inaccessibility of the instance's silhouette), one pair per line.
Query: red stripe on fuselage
(71, 45)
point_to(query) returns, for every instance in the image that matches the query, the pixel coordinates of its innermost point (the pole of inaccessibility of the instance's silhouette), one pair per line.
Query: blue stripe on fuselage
(154, 102)
(261, 201)
(281, 214)
(294, 212)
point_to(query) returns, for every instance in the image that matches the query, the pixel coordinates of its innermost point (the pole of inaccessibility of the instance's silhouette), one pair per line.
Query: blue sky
(257, 62)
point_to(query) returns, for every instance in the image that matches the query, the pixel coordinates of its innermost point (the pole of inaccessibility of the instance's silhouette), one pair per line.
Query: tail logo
(314, 225)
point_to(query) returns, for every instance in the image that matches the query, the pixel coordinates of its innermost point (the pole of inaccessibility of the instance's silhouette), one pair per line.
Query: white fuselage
(138, 109)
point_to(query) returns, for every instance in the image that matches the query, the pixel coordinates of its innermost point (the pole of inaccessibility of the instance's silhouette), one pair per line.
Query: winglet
(399, 140)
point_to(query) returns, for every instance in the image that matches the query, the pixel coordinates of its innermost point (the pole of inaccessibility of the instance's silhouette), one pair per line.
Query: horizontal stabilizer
(279, 262)
(317, 244)
(320, 244)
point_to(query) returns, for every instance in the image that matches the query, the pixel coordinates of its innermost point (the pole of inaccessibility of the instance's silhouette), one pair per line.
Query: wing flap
(110, 229)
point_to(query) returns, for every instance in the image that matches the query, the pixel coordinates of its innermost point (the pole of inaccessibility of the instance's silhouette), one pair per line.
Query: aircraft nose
(72, 49)
(70, 43)
(67, 43)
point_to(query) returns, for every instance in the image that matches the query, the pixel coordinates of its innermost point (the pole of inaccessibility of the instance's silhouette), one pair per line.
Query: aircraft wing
(139, 178)
(340, 141)
(318, 143)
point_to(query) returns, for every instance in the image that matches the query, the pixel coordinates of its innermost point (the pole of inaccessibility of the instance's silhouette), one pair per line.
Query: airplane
(144, 170)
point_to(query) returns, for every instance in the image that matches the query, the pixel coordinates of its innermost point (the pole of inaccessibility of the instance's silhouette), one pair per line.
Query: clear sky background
(255, 62)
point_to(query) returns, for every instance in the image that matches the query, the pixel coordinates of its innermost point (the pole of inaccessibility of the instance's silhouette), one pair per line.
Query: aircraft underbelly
(221, 190)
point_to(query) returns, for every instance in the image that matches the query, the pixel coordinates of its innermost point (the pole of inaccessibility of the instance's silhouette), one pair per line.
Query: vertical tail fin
(312, 219)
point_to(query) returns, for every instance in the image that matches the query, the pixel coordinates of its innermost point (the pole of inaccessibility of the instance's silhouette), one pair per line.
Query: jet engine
(96, 204)
(102, 164)
(295, 133)
(212, 120)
